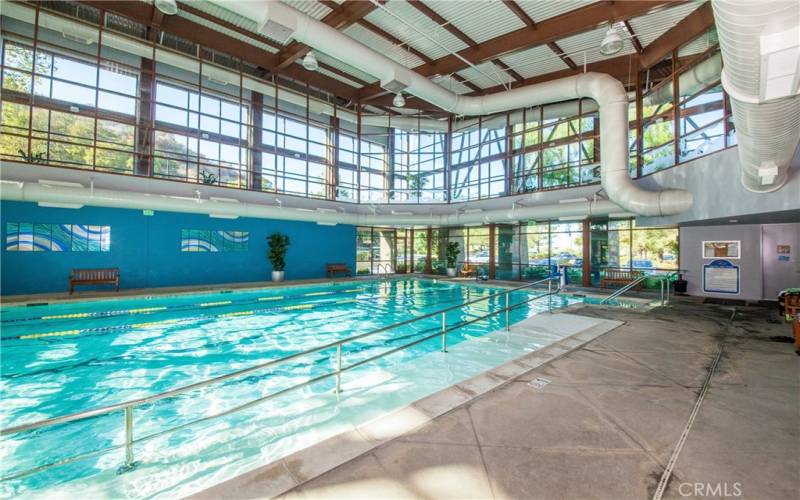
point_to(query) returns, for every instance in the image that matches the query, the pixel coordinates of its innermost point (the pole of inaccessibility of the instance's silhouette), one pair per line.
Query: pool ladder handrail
(664, 284)
(127, 407)
(386, 271)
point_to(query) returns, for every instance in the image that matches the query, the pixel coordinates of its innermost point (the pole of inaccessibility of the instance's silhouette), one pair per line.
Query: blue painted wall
(146, 249)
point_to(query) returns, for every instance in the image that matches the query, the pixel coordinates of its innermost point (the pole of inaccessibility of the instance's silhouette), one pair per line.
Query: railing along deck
(127, 407)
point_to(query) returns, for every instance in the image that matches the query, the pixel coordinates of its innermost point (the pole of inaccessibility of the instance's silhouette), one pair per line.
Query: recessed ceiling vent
(276, 31)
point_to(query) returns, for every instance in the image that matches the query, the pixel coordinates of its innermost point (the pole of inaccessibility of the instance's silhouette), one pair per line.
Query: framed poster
(721, 249)
(721, 276)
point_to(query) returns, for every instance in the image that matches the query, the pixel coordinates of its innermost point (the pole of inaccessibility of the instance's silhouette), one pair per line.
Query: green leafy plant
(278, 245)
(416, 182)
(208, 177)
(451, 253)
(32, 158)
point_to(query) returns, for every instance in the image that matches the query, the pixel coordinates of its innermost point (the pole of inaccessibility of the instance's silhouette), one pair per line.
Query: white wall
(762, 274)
(780, 270)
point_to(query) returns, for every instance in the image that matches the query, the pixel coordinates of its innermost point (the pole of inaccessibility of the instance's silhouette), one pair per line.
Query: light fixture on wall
(168, 7)
(310, 61)
(612, 42)
(399, 101)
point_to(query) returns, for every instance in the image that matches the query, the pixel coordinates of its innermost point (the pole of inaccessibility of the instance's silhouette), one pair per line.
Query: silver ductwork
(607, 92)
(760, 44)
(63, 194)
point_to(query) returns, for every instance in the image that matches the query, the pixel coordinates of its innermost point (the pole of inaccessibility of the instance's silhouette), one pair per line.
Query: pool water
(64, 358)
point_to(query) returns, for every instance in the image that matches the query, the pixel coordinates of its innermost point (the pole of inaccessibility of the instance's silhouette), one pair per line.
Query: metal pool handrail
(128, 406)
(663, 280)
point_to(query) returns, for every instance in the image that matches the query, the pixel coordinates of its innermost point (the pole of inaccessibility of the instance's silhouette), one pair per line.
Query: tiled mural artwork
(209, 240)
(29, 237)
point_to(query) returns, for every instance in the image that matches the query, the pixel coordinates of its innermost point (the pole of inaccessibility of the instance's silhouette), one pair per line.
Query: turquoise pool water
(65, 358)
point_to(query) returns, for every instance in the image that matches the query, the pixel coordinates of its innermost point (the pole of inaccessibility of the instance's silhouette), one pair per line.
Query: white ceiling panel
(382, 45)
(539, 10)
(313, 8)
(534, 62)
(651, 26)
(699, 44)
(487, 75)
(471, 16)
(441, 41)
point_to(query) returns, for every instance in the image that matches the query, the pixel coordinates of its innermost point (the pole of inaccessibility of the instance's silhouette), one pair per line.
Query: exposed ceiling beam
(344, 15)
(521, 14)
(516, 76)
(260, 38)
(444, 23)
(525, 18)
(690, 27)
(564, 57)
(208, 37)
(637, 45)
(549, 30)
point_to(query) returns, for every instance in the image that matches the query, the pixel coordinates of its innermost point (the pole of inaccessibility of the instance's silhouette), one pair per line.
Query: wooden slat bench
(620, 277)
(332, 269)
(468, 270)
(93, 277)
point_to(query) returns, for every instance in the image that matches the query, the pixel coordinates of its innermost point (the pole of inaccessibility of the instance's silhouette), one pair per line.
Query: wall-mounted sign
(721, 276)
(721, 249)
(784, 249)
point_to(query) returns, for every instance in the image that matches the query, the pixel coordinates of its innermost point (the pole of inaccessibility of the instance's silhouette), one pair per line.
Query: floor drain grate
(539, 383)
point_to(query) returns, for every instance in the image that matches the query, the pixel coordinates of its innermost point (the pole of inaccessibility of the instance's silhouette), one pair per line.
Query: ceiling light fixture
(168, 7)
(310, 61)
(399, 101)
(612, 43)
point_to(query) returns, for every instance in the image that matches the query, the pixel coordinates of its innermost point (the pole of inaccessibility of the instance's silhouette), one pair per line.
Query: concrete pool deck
(603, 421)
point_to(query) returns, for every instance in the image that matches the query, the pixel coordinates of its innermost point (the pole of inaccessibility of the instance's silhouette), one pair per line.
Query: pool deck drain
(302, 466)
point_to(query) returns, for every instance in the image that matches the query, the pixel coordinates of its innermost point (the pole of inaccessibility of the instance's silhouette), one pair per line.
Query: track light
(399, 101)
(168, 7)
(612, 43)
(310, 61)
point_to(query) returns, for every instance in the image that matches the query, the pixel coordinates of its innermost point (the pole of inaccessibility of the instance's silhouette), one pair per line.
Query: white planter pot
(277, 276)
(451, 272)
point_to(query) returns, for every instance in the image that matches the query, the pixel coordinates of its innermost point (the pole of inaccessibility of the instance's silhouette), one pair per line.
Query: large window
(112, 100)
(67, 110)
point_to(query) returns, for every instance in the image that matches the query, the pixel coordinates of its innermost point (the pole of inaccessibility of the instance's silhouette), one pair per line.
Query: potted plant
(451, 254)
(278, 244)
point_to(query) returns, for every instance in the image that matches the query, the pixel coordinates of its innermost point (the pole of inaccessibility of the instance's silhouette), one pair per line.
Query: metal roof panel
(471, 16)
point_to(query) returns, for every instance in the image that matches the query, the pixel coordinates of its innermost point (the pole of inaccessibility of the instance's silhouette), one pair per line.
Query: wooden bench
(332, 269)
(93, 277)
(468, 270)
(620, 277)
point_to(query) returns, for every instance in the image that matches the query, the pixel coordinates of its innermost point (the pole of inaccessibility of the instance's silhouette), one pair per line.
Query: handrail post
(549, 295)
(508, 323)
(338, 368)
(129, 464)
(444, 332)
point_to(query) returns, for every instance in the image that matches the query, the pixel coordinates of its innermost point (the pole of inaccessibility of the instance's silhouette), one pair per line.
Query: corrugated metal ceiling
(382, 45)
(539, 10)
(534, 62)
(471, 16)
(389, 23)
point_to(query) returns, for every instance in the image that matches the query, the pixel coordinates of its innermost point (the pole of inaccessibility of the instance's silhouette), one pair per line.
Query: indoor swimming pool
(65, 358)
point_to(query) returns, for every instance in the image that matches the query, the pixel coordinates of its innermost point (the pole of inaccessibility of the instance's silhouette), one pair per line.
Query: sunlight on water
(66, 358)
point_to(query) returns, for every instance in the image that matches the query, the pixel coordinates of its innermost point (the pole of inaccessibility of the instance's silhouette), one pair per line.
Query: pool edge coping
(287, 473)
